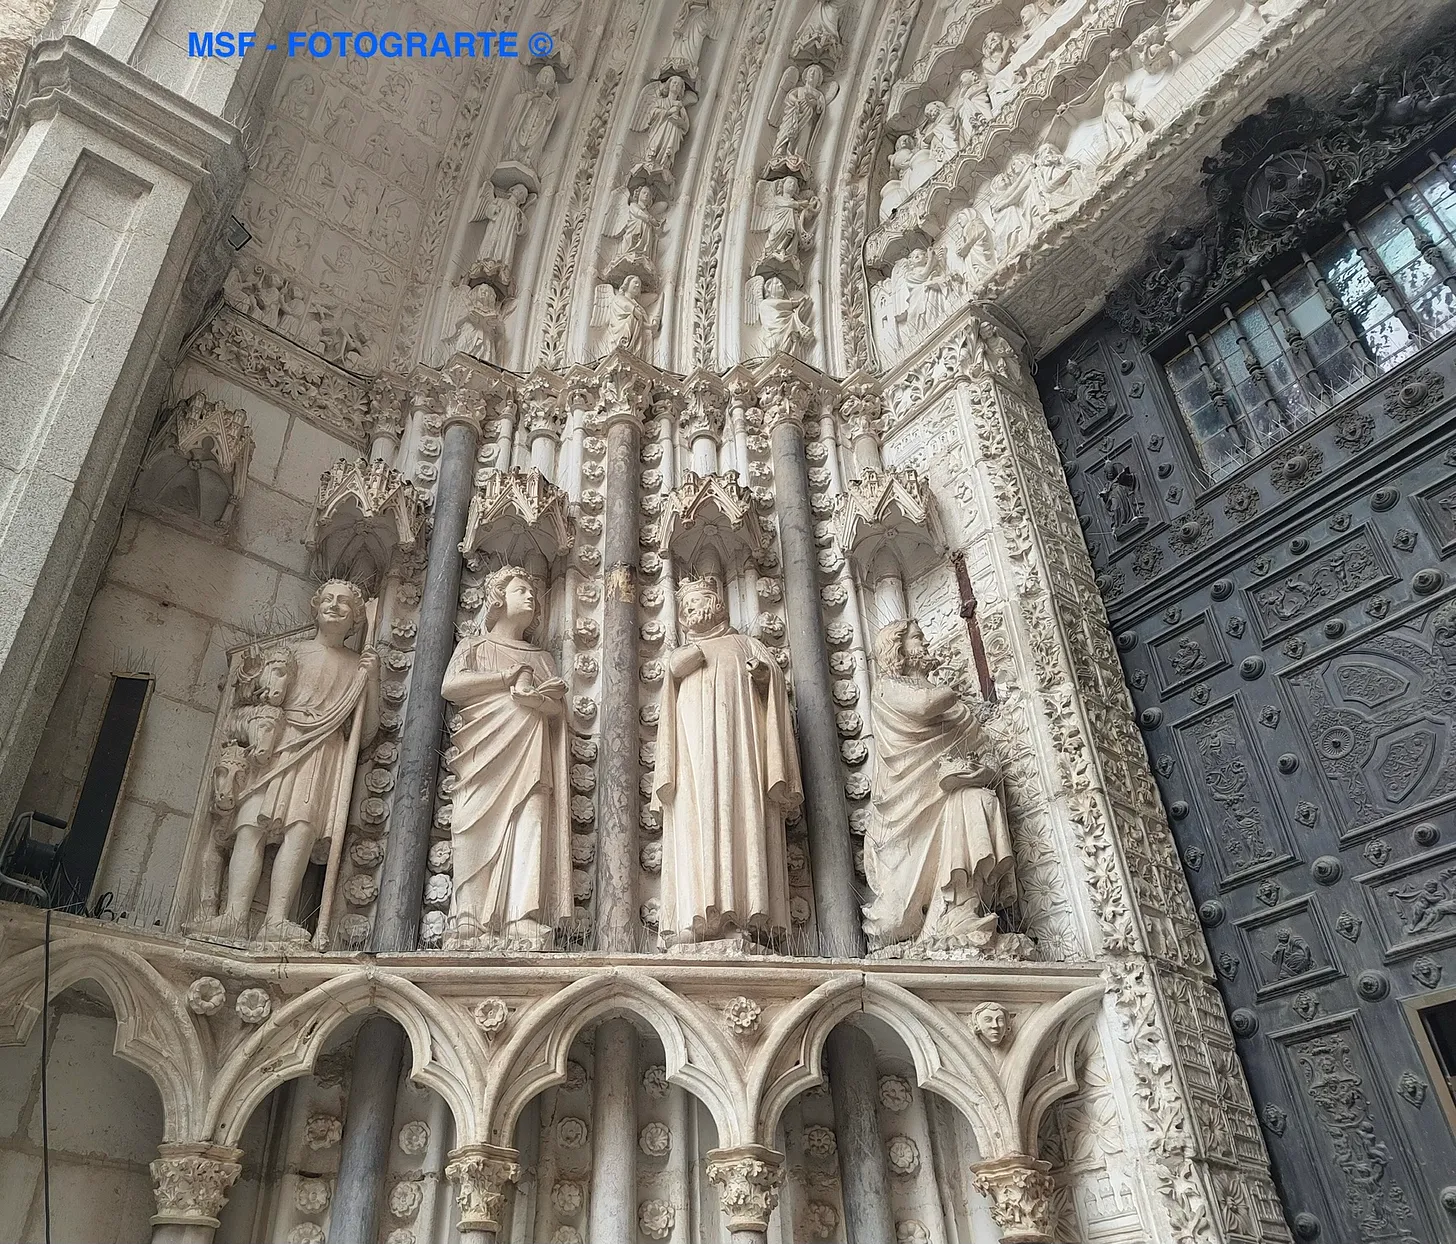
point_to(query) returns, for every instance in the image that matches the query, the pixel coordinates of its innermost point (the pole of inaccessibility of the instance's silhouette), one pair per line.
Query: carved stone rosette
(1020, 1192)
(191, 1182)
(480, 1174)
(748, 1179)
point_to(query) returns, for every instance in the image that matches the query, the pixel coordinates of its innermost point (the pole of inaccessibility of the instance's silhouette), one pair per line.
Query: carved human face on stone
(519, 194)
(700, 606)
(774, 288)
(993, 52)
(991, 1023)
(917, 655)
(675, 88)
(814, 76)
(511, 598)
(337, 606)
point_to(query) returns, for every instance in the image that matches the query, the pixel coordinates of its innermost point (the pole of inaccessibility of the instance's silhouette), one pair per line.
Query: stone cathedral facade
(782, 621)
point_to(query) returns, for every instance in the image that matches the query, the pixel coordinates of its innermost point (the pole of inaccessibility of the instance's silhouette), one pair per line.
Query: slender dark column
(614, 1128)
(368, 1130)
(617, 794)
(849, 1056)
(379, 1055)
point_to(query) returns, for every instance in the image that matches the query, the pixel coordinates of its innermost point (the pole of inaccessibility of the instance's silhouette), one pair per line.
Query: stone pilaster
(191, 1182)
(1019, 1189)
(749, 1178)
(480, 1174)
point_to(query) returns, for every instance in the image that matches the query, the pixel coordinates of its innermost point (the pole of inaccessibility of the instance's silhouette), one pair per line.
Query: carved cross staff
(968, 612)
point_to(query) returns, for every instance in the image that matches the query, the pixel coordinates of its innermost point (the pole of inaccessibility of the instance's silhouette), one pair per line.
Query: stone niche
(197, 464)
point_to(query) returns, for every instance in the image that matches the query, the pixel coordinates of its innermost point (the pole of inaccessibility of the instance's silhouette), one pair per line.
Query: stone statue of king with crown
(727, 777)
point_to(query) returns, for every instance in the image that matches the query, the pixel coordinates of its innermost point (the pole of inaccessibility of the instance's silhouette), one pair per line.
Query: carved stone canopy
(198, 463)
(711, 511)
(365, 513)
(1283, 181)
(516, 511)
(888, 516)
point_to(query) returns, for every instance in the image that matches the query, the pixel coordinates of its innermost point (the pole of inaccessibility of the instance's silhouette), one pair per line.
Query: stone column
(480, 1174)
(402, 878)
(613, 1214)
(368, 1130)
(191, 1182)
(623, 399)
(849, 1057)
(749, 1178)
(112, 201)
(1020, 1190)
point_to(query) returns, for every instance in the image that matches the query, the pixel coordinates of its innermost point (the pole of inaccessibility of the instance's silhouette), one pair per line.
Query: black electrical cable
(45, 1050)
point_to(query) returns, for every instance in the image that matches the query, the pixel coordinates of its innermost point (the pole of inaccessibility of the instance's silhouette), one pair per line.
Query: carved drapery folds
(749, 1178)
(198, 463)
(191, 1183)
(366, 513)
(481, 1174)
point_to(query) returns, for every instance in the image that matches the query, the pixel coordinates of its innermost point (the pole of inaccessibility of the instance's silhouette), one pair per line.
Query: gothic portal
(767, 621)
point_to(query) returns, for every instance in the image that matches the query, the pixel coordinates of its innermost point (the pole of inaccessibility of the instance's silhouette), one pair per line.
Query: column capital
(540, 398)
(861, 409)
(749, 1178)
(386, 410)
(480, 1174)
(788, 394)
(470, 407)
(191, 1182)
(625, 391)
(1020, 1191)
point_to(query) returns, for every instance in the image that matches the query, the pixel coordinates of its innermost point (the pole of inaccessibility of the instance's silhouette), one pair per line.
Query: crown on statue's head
(700, 583)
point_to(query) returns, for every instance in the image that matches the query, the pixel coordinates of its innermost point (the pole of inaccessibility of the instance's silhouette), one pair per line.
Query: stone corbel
(199, 462)
(480, 1174)
(749, 1178)
(1019, 1190)
(191, 1182)
(366, 512)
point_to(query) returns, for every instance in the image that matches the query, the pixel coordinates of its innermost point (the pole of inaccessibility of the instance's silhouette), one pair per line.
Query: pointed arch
(698, 1056)
(1051, 1033)
(447, 1052)
(154, 1029)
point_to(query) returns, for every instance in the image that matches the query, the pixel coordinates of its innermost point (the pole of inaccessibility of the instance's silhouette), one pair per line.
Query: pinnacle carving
(515, 498)
(366, 512)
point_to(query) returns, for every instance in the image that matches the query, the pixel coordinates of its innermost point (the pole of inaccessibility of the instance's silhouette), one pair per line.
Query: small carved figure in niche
(288, 796)
(784, 318)
(663, 114)
(928, 293)
(938, 142)
(1123, 124)
(531, 119)
(937, 855)
(482, 323)
(971, 103)
(991, 1023)
(1421, 907)
(1120, 497)
(640, 222)
(505, 217)
(629, 324)
(1291, 954)
(895, 191)
(1056, 181)
(1388, 104)
(510, 830)
(693, 27)
(1188, 263)
(803, 98)
(726, 777)
(1034, 13)
(790, 217)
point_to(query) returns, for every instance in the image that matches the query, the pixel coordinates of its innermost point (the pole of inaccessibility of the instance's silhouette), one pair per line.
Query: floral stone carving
(480, 1174)
(748, 1178)
(1020, 1192)
(191, 1183)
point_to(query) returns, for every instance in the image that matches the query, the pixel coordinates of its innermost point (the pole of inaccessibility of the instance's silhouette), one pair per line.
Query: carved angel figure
(662, 112)
(696, 23)
(801, 103)
(790, 217)
(640, 223)
(818, 36)
(629, 323)
(938, 852)
(785, 319)
(895, 191)
(1123, 124)
(531, 119)
(478, 332)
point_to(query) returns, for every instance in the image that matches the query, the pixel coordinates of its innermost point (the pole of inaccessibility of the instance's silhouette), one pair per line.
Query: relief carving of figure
(971, 103)
(800, 108)
(895, 191)
(727, 774)
(531, 119)
(937, 143)
(640, 223)
(1123, 124)
(481, 323)
(818, 36)
(694, 27)
(938, 852)
(629, 324)
(784, 317)
(505, 221)
(663, 114)
(282, 773)
(790, 218)
(510, 830)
